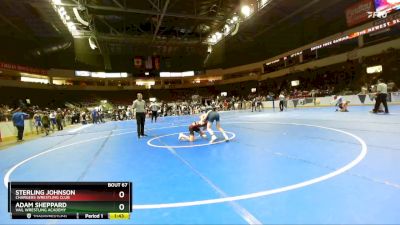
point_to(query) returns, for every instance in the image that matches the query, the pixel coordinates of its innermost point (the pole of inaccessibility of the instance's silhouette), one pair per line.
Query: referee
(139, 104)
(154, 111)
(381, 97)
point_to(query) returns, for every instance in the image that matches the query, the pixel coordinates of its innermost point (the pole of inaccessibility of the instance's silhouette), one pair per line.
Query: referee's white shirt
(382, 88)
(139, 106)
(154, 107)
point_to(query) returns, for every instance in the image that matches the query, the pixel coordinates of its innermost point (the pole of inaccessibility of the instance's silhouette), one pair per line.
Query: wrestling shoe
(213, 138)
(180, 136)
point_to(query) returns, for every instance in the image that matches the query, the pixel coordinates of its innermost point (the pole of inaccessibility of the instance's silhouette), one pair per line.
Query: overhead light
(218, 35)
(212, 39)
(295, 83)
(62, 11)
(145, 83)
(209, 49)
(227, 29)
(176, 74)
(264, 3)
(76, 33)
(374, 69)
(34, 80)
(82, 73)
(188, 74)
(79, 18)
(71, 26)
(246, 11)
(92, 43)
(235, 19)
(66, 18)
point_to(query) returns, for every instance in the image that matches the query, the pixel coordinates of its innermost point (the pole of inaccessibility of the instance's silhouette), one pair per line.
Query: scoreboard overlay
(70, 200)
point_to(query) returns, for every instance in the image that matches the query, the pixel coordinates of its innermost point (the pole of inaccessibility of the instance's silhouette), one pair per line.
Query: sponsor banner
(20, 68)
(358, 12)
(390, 20)
(387, 5)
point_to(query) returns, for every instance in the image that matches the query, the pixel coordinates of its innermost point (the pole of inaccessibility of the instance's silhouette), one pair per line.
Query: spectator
(281, 101)
(53, 119)
(391, 86)
(59, 119)
(94, 116)
(46, 122)
(18, 119)
(38, 121)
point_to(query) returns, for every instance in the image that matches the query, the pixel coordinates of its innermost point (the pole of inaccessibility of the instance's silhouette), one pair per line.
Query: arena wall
(355, 100)
(8, 131)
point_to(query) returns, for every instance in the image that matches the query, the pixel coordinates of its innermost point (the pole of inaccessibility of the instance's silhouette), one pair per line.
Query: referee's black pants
(281, 105)
(140, 118)
(154, 115)
(381, 98)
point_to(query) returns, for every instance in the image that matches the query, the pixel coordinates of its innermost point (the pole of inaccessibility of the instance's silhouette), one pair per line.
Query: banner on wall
(362, 98)
(25, 69)
(387, 5)
(149, 63)
(138, 62)
(156, 62)
(358, 12)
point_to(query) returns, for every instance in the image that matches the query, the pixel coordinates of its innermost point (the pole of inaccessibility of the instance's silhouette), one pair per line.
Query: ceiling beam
(161, 19)
(10, 23)
(301, 9)
(118, 4)
(147, 12)
(108, 25)
(140, 11)
(141, 39)
(154, 5)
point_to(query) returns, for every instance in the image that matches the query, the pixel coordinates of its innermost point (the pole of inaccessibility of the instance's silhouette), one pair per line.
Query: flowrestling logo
(380, 15)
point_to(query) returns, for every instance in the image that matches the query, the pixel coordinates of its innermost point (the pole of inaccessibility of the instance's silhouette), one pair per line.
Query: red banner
(25, 69)
(156, 62)
(358, 12)
(138, 62)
